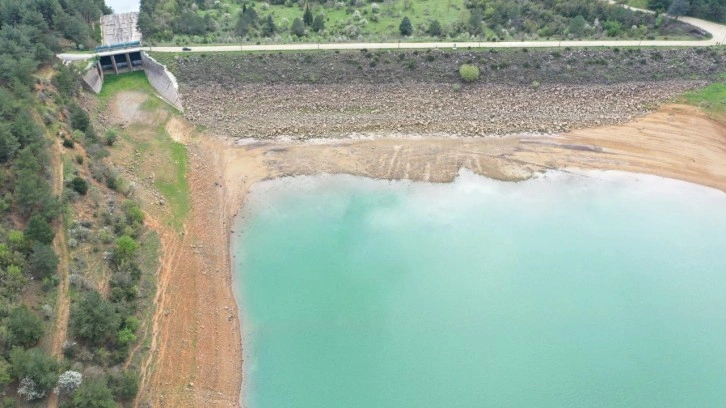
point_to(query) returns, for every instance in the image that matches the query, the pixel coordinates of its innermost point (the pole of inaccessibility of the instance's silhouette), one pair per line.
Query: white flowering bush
(69, 382)
(28, 389)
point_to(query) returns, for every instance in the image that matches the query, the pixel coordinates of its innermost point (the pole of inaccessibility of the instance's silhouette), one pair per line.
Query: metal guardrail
(119, 46)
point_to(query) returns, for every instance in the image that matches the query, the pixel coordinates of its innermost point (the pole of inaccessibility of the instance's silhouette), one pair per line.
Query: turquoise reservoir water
(563, 291)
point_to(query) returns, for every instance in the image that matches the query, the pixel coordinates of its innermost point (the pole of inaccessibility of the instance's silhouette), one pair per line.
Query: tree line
(491, 20)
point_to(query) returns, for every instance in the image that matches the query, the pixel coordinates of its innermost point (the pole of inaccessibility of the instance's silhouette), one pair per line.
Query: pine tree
(435, 28)
(297, 27)
(307, 17)
(269, 28)
(475, 24)
(318, 23)
(405, 28)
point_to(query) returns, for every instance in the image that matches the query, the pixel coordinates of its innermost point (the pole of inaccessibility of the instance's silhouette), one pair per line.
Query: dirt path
(62, 310)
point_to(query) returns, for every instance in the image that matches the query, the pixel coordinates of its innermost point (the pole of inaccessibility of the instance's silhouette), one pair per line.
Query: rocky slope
(334, 94)
(305, 111)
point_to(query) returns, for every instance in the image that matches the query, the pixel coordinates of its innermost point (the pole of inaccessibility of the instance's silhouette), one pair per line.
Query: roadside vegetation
(233, 21)
(504, 66)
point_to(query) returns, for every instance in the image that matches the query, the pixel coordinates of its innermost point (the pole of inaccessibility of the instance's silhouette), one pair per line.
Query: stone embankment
(306, 111)
(306, 95)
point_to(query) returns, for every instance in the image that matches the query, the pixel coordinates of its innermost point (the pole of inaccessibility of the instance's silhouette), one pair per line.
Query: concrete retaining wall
(93, 78)
(162, 80)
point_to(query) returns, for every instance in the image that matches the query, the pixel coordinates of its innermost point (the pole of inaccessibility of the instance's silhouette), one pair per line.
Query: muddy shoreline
(202, 365)
(272, 115)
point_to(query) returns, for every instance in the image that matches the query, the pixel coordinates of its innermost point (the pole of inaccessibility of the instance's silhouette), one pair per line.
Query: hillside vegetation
(69, 232)
(509, 66)
(225, 21)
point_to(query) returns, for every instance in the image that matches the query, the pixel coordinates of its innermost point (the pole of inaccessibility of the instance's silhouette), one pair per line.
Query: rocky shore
(313, 111)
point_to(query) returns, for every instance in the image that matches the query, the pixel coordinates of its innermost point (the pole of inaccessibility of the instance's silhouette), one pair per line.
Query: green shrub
(6, 375)
(25, 328)
(94, 320)
(93, 393)
(39, 230)
(35, 364)
(43, 261)
(79, 185)
(125, 385)
(132, 211)
(113, 182)
(469, 73)
(79, 118)
(125, 337)
(125, 249)
(111, 136)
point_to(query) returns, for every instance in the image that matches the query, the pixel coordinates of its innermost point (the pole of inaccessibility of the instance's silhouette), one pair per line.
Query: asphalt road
(718, 31)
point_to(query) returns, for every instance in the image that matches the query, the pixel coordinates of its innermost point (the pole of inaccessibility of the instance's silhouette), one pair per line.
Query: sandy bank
(200, 358)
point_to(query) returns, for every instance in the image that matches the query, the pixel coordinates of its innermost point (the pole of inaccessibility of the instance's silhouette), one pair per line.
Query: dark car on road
(186, 49)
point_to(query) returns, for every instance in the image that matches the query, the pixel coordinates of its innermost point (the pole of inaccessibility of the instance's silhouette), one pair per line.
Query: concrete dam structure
(120, 28)
(121, 53)
(124, 61)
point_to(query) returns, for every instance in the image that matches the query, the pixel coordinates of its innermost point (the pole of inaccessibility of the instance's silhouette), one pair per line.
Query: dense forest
(40, 114)
(203, 21)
